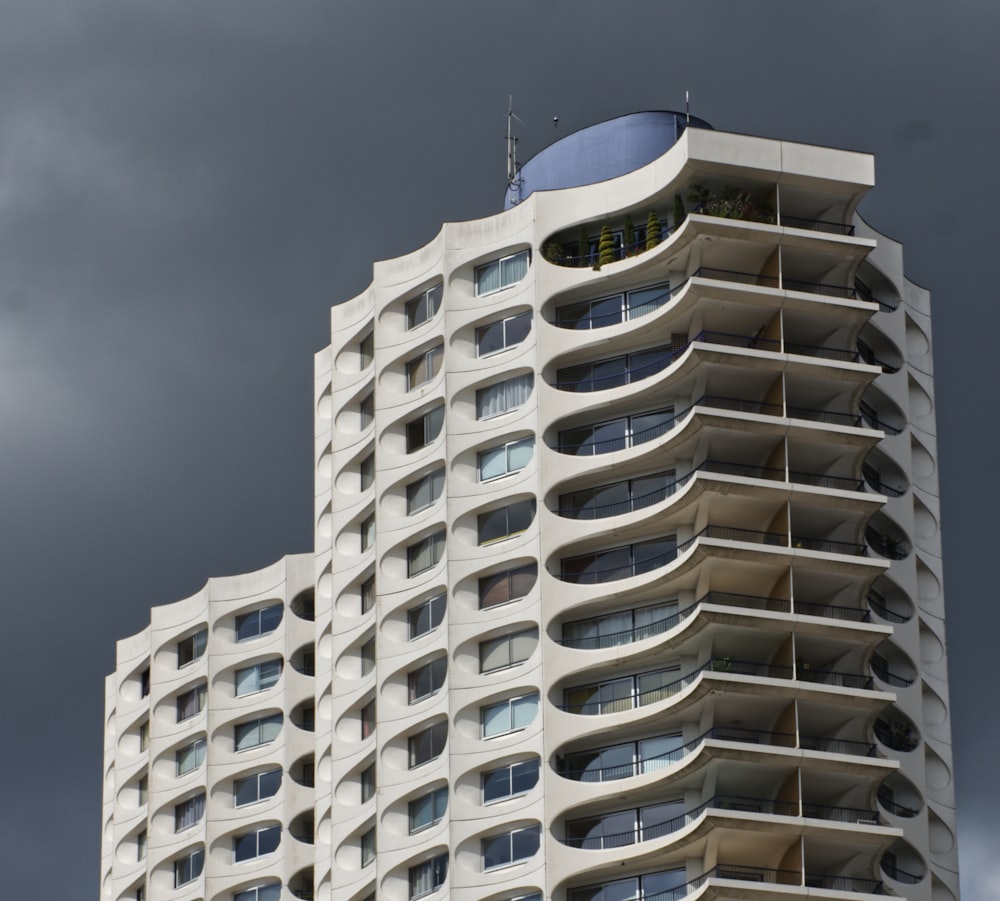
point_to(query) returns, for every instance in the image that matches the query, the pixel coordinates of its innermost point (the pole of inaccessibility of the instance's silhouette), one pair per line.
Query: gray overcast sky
(185, 189)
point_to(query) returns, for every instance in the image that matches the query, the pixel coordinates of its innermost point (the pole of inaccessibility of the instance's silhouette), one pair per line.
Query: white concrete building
(627, 568)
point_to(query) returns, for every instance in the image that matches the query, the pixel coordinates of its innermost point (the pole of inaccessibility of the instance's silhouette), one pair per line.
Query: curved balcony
(870, 415)
(867, 354)
(897, 735)
(640, 564)
(576, 378)
(890, 547)
(740, 873)
(640, 764)
(878, 603)
(880, 667)
(604, 318)
(601, 641)
(644, 831)
(874, 481)
(863, 292)
(629, 693)
(718, 467)
(587, 446)
(888, 802)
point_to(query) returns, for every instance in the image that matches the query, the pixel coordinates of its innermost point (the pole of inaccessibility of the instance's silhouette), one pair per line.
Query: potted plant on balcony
(605, 247)
(653, 231)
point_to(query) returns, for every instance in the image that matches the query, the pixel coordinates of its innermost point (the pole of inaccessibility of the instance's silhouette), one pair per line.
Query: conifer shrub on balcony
(653, 231)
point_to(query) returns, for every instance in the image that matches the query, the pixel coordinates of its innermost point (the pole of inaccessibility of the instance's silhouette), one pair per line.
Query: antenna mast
(514, 180)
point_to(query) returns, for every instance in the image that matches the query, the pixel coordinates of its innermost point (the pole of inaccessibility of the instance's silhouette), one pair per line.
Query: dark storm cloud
(186, 187)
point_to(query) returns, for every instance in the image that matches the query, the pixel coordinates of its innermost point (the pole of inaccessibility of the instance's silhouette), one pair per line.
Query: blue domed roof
(602, 151)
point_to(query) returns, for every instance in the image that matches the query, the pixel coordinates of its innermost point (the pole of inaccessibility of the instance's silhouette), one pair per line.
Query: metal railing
(893, 871)
(819, 225)
(880, 667)
(885, 798)
(715, 665)
(870, 415)
(867, 354)
(877, 602)
(897, 736)
(724, 533)
(732, 404)
(866, 294)
(871, 476)
(831, 611)
(884, 546)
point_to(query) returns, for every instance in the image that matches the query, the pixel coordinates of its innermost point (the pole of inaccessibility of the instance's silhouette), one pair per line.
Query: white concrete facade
(627, 579)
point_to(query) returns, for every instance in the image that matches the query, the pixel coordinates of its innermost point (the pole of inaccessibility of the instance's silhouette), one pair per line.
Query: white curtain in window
(523, 711)
(488, 278)
(503, 397)
(513, 269)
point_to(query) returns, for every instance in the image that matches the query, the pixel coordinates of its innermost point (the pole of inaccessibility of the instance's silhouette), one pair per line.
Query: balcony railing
(885, 546)
(737, 803)
(720, 467)
(868, 355)
(885, 798)
(878, 603)
(831, 611)
(865, 293)
(896, 735)
(716, 665)
(874, 480)
(657, 762)
(818, 225)
(725, 533)
(870, 415)
(894, 872)
(880, 667)
(732, 404)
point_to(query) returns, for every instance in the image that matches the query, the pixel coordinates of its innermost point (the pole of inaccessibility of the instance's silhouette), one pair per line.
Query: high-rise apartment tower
(627, 577)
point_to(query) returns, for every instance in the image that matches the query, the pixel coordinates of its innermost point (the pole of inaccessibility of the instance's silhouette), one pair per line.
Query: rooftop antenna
(687, 107)
(514, 180)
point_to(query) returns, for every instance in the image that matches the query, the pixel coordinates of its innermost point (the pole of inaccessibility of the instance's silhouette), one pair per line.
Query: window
(503, 850)
(623, 693)
(367, 530)
(423, 430)
(143, 735)
(495, 525)
(423, 307)
(257, 677)
(502, 273)
(424, 492)
(188, 867)
(508, 716)
(504, 333)
(258, 622)
(367, 656)
(190, 703)
(268, 892)
(140, 845)
(623, 627)
(619, 562)
(505, 459)
(510, 781)
(257, 787)
(494, 400)
(367, 594)
(191, 648)
(426, 617)
(190, 757)
(618, 497)
(368, 847)
(428, 809)
(612, 310)
(507, 650)
(257, 732)
(368, 784)
(625, 827)
(422, 369)
(257, 843)
(188, 813)
(509, 585)
(424, 554)
(142, 789)
(366, 351)
(428, 876)
(366, 468)
(366, 410)
(368, 719)
(652, 886)
(426, 680)
(427, 744)
(616, 434)
(140, 893)
(144, 683)
(613, 372)
(621, 761)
